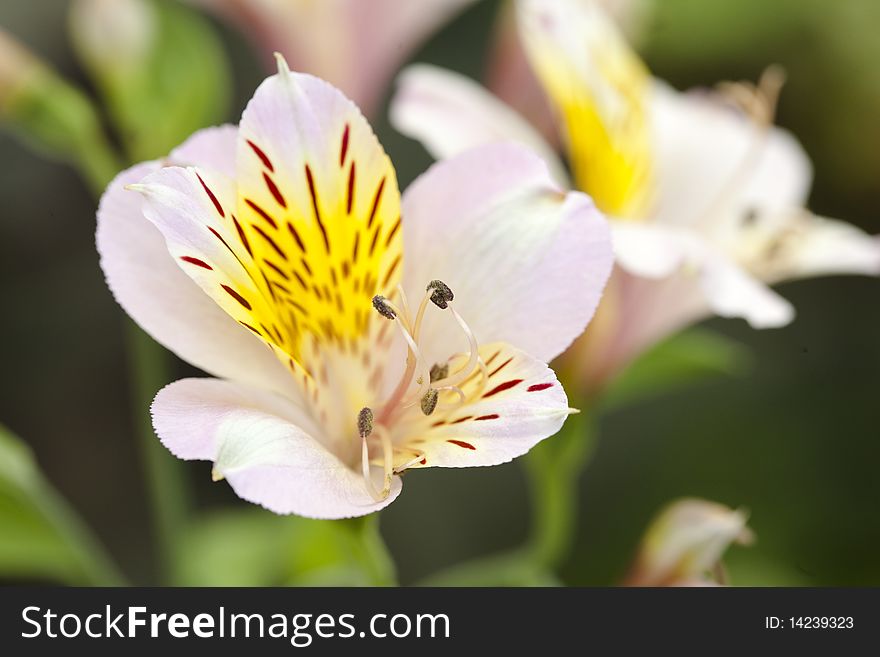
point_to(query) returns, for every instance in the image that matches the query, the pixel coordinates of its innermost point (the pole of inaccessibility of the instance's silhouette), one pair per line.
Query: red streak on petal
(507, 385)
(260, 154)
(494, 416)
(500, 367)
(539, 386)
(196, 262)
(235, 295)
(344, 149)
(273, 189)
(461, 443)
(211, 196)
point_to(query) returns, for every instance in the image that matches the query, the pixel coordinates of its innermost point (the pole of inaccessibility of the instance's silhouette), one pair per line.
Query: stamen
(387, 459)
(365, 422)
(384, 307)
(439, 371)
(365, 470)
(473, 356)
(420, 457)
(429, 401)
(441, 295)
(462, 398)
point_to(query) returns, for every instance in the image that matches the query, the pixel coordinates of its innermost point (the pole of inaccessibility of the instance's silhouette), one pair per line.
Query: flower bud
(112, 37)
(684, 544)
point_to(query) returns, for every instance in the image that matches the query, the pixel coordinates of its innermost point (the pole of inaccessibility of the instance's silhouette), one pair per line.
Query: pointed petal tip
(283, 68)
(216, 475)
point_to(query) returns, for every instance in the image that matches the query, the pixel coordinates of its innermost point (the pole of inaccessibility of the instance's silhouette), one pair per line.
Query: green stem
(169, 499)
(373, 551)
(553, 469)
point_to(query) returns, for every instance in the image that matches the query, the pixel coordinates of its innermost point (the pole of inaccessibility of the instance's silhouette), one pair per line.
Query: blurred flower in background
(706, 196)
(684, 544)
(356, 46)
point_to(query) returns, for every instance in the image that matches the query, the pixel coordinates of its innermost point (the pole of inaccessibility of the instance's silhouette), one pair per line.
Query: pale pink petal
(816, 246)
(526, 261)
(264, 446)
(739, 167)
(520, 404)
(318, 191)
(646, 249)
(733, 292)
(211, 148)
(450, 113)
(355, 45)
(155, 292)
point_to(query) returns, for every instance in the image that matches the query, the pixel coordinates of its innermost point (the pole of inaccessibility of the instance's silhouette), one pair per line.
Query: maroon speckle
(461, 443)
(235, 295)
(492, 357)
(376, 199)
(196, 262)
(300, 280)
(311, 181)
(211, 196)
(344, 149)
(539, 386)
(270, 242)
(375, 238)
(350, 198)
(260, 154)
(507, 385)
(393, 232)
(276, 268)
(424, 461)
(501, 367)
(394, 265)
(462, 419)
(260, 211)
(296, 237)
(273, 189)
(493, 416)
(242, 236)
(246, 325)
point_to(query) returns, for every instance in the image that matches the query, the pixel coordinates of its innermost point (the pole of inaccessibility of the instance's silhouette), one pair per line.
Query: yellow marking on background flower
(599, 88)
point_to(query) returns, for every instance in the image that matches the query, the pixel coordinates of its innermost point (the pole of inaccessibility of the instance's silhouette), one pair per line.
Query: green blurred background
(795, 440)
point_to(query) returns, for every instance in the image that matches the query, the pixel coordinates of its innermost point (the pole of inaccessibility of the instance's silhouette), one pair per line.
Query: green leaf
(253, 547)
(685, 359)
(41, 537)
(165, 76)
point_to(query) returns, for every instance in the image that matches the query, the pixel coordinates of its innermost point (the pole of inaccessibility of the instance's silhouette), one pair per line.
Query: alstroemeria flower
(355, 45)
(355, 334)
(684, 544)
(706, 197)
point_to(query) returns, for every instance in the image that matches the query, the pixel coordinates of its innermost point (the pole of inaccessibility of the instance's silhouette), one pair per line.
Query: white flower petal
(714, 164)
(264, 445)
(211, 148)
(521, 404)
(647, 250)
(450, 113)
(527, 262)
(819, 246)
(155, 292)
(733, 292)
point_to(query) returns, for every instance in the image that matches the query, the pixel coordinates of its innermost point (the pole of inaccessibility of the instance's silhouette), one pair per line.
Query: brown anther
(439, 371)
(365, 422)
(441, 295)
(429, 401)
(384, 308)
